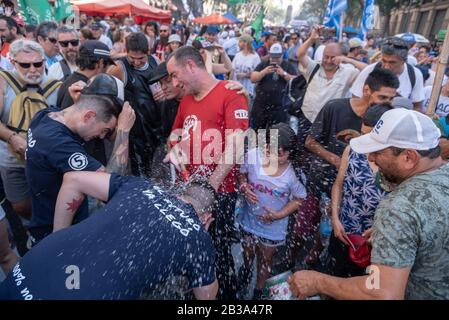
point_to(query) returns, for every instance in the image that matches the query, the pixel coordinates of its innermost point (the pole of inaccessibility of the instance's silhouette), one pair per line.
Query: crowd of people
(115, 140)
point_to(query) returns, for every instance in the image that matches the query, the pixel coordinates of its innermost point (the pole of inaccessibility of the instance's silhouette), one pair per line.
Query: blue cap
(266, 33)
(212, 29)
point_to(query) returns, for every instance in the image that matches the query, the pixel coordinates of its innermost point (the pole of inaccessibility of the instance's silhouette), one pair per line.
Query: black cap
(96, 26)
(158, 73)
(96, 49)
(106, 85)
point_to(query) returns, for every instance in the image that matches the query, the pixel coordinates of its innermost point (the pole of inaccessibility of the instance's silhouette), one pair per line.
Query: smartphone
(274, 65)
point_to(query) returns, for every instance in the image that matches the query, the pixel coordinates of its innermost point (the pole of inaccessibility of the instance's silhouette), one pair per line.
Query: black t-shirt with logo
(131, 247)
(52, 151)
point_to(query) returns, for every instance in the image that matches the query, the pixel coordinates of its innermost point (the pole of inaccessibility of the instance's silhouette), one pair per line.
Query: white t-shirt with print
(442, 108)
(273, 193)
(243, 64)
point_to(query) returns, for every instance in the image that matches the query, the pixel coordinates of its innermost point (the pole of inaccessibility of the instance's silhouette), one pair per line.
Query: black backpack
(294, 92)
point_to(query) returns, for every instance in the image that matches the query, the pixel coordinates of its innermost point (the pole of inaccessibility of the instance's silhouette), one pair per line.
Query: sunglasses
(26, 65)
(52, 40)
(164, 30)
(65, 44)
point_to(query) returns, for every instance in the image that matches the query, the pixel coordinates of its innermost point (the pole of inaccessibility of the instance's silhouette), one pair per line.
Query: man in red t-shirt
(207, 114)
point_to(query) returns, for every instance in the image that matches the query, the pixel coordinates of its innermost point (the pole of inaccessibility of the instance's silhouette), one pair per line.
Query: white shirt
(231, 46)
(243, 64)
(106, 41)
(55, 71)
(442, 108)
(321, 90)
(416, 94)
(431, 79)
(412, 60)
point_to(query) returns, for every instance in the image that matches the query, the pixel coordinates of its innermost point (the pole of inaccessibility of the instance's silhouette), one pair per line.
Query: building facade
(425, 17)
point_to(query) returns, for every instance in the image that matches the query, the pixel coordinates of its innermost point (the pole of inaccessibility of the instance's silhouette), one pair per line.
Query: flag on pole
(63, 9)
(334, 10)
(367, 22)
(257, 25)
(35, 11)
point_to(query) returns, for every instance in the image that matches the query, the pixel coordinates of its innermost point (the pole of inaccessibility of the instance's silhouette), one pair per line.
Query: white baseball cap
(276, 50)
(400, 128)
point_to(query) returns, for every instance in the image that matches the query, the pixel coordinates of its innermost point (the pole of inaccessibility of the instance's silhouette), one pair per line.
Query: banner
(367, 22)
(35, 11)
(63, 9)
(334, 10)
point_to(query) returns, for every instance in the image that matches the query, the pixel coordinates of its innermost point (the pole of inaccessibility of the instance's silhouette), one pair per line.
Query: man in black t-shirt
(271, 77)
(129, 249)
(339, 121)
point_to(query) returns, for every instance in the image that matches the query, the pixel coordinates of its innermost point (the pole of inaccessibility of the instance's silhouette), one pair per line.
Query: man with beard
(69, 45)
(135, 70)
(9, 32)
(410, 239)
(27, 78)
(46, 37)
(162, 43)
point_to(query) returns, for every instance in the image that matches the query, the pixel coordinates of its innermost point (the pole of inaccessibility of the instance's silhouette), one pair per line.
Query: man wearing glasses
(47, 38)
(29, 64)
(162, 42)
(394, 57)
(292, 51)
(69, 45)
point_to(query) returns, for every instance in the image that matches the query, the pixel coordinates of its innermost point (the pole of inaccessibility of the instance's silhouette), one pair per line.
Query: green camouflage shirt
(411, 229)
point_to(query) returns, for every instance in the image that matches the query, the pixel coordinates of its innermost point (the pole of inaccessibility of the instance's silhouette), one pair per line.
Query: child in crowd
(272, 192)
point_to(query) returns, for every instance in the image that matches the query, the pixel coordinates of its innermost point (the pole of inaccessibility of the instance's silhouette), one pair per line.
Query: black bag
(294, 92)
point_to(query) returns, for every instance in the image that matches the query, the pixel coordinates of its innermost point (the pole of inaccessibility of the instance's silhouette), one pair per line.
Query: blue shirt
(142, 237)
(52, 151)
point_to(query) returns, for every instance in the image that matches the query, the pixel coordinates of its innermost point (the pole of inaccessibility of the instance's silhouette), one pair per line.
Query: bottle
(325, 222)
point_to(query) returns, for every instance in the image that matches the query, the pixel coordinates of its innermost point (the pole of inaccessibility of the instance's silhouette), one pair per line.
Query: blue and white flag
(367, 17)
(333, 13)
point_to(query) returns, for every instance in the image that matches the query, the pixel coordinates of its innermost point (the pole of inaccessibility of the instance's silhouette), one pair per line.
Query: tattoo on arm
(119, 158)
(75, 204)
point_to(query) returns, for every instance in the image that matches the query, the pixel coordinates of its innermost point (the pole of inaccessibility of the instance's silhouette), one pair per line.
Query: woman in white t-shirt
(244, 63)
(272, 192)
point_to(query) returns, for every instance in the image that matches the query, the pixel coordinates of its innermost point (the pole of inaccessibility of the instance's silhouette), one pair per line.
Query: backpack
(411, 75)
(25, 105)
(294, 92)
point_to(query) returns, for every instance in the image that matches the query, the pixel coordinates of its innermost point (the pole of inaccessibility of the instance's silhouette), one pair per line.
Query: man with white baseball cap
(410, 239)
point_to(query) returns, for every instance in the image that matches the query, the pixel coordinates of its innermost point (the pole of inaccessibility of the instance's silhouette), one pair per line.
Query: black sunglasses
(65, 44)
(26, 65)
(398, 43)
(52, 40)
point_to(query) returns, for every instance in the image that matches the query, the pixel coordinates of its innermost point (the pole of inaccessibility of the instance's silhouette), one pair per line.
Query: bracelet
(10, 137)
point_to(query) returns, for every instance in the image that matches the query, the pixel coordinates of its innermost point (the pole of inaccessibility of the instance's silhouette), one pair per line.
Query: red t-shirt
(203, 122)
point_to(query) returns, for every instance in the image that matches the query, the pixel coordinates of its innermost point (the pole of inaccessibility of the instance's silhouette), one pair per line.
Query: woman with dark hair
(151, 30)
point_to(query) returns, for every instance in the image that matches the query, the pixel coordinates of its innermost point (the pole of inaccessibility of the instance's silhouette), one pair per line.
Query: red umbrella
(122, 8)
(213, 19)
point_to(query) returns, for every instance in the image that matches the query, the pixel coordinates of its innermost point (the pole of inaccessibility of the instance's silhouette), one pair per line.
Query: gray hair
(26, 46)
(68, 29)
(45, 28)
(392, 50)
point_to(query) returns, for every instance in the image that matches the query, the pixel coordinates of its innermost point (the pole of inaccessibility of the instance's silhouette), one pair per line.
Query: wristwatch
(284, 74)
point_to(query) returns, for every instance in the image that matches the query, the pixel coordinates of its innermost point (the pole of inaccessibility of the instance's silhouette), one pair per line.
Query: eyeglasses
(26, 65)
(294, 38)
(65, 44)
(52, 40)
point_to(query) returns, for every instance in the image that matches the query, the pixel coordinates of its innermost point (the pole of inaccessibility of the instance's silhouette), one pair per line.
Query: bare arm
(118, 162)
(383, 283)
(75, 185)
(226, 66)
(302, 50)
(288, 209)
(117, 72)
(316, 148)
(358, 64)
(256, 76)
(337, 190)
(208, 292)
